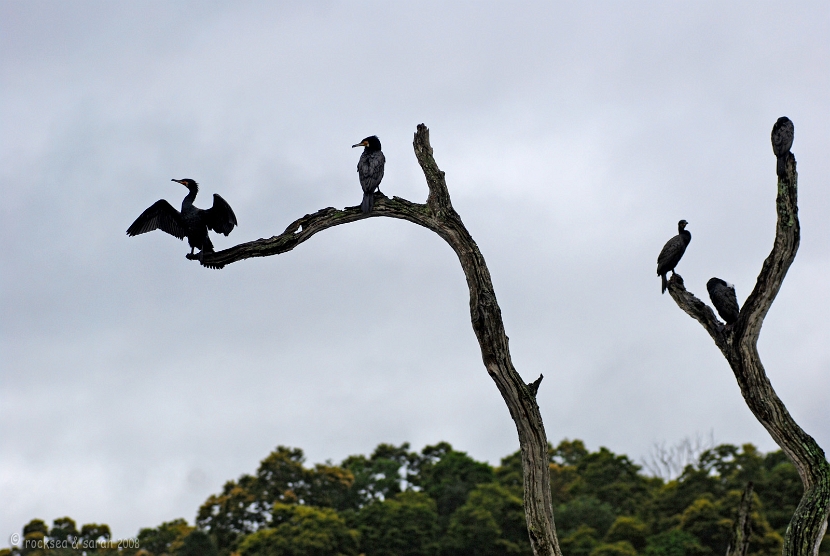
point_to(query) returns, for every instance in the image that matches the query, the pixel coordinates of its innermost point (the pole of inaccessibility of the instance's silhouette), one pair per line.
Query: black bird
(782, 141)
(191, 221)
(672, 252)
(724, 299)
(370, 170)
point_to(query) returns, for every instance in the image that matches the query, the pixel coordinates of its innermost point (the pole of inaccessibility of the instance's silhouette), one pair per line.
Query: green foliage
(581, 542)
(448, 476)
(231, 515)
(619, 548)
(780, 488)
(585, 511)
(406, 525)
(509, 474)
(302, 531)
(377, 477)
(674, 542)
(629, 529)
(612, 479)
(64, 529)
(195, 543)
(490, 522)
(160, 540)
(703, 520)
(441, 501)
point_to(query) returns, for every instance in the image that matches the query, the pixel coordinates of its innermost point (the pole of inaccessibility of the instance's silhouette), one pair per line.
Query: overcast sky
(574, 136)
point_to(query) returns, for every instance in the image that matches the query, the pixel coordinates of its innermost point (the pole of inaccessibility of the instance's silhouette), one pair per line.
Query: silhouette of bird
(724, 299)
(672, 252)
(191, 222)
(782, 141)
(370, 170)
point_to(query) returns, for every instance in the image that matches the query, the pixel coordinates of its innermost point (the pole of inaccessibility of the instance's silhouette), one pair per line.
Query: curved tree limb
(739, 345)
(438, 215)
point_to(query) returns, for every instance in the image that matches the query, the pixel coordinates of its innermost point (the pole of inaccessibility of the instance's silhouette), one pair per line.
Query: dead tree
(438, 215)
(738, 343)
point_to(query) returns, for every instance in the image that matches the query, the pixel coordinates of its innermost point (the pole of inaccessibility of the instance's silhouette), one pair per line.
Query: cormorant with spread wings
(191, 222)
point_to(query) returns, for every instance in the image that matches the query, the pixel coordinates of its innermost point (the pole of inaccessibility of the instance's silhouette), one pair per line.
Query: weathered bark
(742, 529)
(439, 216)
(739, 345)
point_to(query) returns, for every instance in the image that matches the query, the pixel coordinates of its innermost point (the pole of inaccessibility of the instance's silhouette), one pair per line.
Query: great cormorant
(191, 221)
(782, 141)
(724, 299)
(370, 170)
(672, 252)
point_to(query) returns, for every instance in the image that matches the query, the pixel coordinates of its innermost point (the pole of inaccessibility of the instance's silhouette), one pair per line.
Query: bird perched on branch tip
(672, 252)
(191, 222)
(724, 299)
(782, 136)
(370, 169)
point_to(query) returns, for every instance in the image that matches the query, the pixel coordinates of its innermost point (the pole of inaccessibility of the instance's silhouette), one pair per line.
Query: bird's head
(188, 183)
(371, 143)
(715, 282)
(682, 225)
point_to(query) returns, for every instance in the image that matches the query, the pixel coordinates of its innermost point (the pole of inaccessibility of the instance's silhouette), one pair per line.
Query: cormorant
(191, 221)
(782, 140)
(724, 299)
(672, 252)
(370, 170)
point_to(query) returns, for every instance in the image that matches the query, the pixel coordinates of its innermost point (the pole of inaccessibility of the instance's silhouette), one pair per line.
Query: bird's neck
(188, 200)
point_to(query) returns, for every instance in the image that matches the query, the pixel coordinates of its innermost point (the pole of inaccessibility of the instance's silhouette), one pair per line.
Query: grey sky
(574, 136)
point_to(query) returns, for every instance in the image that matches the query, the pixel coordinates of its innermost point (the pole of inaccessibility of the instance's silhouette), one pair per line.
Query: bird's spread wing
(370, 168)
(220, 217)
(160, 216)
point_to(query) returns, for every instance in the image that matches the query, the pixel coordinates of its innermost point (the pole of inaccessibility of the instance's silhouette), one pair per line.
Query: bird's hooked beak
(363, 143)
(179, 181)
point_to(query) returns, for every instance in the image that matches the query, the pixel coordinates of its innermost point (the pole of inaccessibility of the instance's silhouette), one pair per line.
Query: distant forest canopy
(443, 502)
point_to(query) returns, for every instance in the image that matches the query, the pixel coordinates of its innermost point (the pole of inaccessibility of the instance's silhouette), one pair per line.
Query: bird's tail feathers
(368, 202)
(665, 282)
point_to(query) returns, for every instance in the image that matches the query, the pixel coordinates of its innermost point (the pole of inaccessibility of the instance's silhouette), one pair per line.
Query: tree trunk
(439, 216)
(742, 529)
(739, 345)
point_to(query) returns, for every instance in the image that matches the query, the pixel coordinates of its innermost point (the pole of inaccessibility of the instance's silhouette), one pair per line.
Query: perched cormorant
(191, 221)
(370, 170)
(724, 299)
(782, 140)
(672, 252)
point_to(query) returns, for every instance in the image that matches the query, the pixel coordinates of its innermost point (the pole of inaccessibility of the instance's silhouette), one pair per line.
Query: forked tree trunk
(438, 215)
(739, 345)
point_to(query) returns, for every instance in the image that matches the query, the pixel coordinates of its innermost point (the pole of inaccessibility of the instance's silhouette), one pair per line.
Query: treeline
(441, 501)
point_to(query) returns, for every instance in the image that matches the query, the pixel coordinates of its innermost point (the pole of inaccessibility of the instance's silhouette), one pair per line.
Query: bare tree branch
(669, 462)
(439, 216)
(739, 345)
